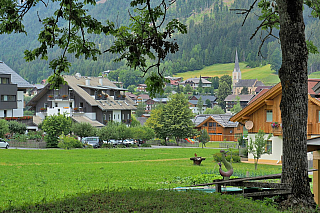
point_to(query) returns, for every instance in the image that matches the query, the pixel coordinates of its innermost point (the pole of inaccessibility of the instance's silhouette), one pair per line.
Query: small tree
(204, 137)
(244, 91)
(54, 126)
(68, 142)
(83, 129)
(257, 147)
(141, 109)
(131, 88)
(200, 105)
(208, 103)
(16, 127)
(215, 110)
(237, 107)
(108, 132)
(4, 127)
(188, 89)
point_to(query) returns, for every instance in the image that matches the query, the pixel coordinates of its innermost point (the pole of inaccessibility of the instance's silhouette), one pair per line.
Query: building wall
(277, 148)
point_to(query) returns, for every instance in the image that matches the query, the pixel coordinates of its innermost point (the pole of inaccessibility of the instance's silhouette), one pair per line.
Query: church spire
(236, 64)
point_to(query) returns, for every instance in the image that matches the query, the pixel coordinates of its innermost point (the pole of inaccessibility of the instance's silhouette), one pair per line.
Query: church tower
(236, 74)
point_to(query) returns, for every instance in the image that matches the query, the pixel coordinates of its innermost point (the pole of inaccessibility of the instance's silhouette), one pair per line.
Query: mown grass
(30, 177)
(264, 73)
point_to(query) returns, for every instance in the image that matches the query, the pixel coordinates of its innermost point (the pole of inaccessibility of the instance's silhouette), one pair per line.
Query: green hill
(264, 74)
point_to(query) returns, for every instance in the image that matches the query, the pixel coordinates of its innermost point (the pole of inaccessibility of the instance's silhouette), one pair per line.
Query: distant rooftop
(15, 77)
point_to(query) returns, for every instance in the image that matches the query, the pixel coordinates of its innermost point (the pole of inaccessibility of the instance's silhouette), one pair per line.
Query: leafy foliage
(224, 90)
(215, 110)
(68, 142)
(54, 126)
(257, 147)
(4, 127)
(203, 137)
(17, 127)
(83, 129)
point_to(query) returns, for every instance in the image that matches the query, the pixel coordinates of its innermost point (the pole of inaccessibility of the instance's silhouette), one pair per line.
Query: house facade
(219, 127)
(12, 89)
(232, 100)
(264, 113)
(93, 100)
(194, 82)
(211, 98)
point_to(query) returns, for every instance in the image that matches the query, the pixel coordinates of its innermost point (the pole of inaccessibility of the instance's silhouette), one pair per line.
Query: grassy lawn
(264, 74)
(42, 176)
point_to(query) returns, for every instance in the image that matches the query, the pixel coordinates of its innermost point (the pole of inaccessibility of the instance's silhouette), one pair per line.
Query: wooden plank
(260, 185)
(267, 193)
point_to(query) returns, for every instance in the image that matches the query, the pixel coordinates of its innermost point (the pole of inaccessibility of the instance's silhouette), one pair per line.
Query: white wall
(276, 148)
(117, 115)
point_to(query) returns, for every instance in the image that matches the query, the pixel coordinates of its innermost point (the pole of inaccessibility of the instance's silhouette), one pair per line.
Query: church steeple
(236, 74)
(236, 64)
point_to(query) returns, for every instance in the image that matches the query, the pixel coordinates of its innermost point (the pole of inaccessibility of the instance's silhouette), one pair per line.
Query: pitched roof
(78, 84)
(144, 96)
(222, 119)
(258, 95)
(195, 102)
(205, 97)
(196, 81)
(84, 119)
(254, 105)
(248, 83)
(15, 77)
(242, 97)
(311, 86)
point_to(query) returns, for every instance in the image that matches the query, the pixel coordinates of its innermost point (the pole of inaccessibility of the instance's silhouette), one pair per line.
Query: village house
(93, 100)
(264, 113)
(194, 82)
(193, 105)
(219, 127)
(152, 103)
(141, 87)
(232, 100)
(211, 98)
(12, 89)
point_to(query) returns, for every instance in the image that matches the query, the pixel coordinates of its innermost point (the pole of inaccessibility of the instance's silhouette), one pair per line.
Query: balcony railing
(59, 97)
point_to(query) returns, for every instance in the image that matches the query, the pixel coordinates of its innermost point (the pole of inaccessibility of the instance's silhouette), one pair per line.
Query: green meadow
(264, 73)
(30, 177)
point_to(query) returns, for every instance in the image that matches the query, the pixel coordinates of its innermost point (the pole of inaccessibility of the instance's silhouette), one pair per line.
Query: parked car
(4, 144)
(93, 141)
(113, 142)
(128, 142)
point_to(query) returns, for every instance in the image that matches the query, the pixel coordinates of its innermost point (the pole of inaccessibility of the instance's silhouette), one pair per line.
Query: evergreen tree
(244, 91)
(200, 105)
(223, 91)
(141, 109)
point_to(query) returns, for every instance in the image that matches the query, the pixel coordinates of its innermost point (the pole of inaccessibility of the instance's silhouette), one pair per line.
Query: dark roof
(205, 97)
(222, 119)
(195, 102)
(248, 83)
(242, 97)
(15, 77)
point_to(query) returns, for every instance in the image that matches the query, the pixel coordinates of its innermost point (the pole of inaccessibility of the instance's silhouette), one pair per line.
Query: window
(81, 104)
(109, 117)
(8, 98)
(4, 80)
(56, 104)
(269, 146)
(319, 116)
(269, 116)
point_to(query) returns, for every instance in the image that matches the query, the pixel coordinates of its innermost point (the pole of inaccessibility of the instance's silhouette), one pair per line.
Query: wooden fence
(182, 143)
(28, 144)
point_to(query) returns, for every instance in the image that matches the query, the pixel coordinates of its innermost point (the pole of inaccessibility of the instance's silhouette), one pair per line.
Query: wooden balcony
(277, 131)
(309, 129)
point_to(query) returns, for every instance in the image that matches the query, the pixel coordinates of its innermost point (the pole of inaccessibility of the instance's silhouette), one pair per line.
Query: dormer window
(4, 80)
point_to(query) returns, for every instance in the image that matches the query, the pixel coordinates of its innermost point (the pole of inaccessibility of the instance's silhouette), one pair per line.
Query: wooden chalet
(219, 127)
(264, 113)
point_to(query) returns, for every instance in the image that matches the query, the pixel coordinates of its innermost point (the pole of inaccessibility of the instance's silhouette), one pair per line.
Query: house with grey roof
(94, 100)
(218, 126)
(12, 89)
(211, 98)
(193, 105)
(232, 100)
(194, 82)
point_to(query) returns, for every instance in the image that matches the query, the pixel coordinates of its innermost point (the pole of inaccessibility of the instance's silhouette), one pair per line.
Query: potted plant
(50, 96)
(106, 95)
(42, 109)
(76, 109)
(64, 96)
(275, 125)
(123, 96)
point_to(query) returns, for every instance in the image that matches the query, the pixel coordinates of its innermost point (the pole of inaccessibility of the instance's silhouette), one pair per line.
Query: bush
(235, 157)
(68, 142)
(35, 135)
(121, 146)
(20, 137)
(107, 145)
(145, 145)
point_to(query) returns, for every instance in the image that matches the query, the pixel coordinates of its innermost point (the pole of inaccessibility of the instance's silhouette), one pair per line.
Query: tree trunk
(294, 103)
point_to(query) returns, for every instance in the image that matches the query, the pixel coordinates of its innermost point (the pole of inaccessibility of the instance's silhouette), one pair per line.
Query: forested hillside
(214, 34)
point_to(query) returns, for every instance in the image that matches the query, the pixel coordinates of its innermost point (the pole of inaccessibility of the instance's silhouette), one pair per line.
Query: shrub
(235, 157)
(107, 145)
(35, 135)
(68, 142)
(145, 145)
(121, 146)
(20, 137)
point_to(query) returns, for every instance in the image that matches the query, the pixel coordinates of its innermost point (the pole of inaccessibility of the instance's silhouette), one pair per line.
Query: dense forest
(214, 34)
